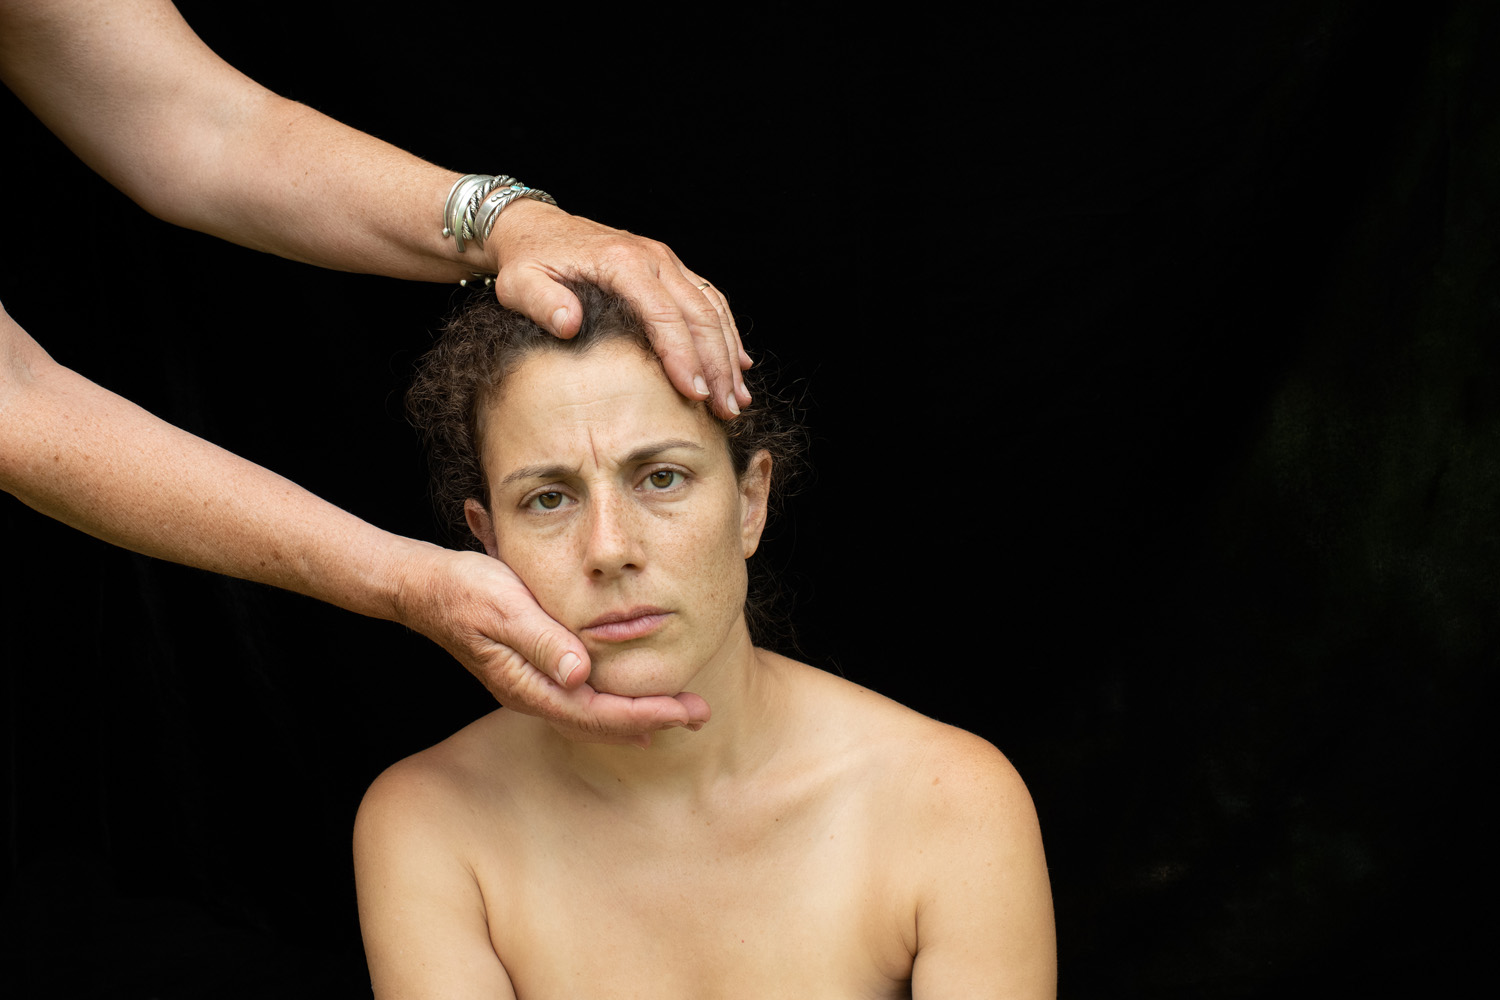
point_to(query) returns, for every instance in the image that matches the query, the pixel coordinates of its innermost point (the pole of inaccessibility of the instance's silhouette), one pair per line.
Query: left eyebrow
(650, 451)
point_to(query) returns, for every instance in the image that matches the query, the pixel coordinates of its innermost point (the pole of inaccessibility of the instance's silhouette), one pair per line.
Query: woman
(816, 840)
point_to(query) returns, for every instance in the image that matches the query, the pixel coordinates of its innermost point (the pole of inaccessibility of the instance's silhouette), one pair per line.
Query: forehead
(579, 409)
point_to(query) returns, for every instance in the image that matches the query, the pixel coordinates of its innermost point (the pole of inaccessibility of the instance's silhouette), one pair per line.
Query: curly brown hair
(483, 344)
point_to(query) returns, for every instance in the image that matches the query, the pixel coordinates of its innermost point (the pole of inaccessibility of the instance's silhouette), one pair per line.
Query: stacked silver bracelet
(476, 201)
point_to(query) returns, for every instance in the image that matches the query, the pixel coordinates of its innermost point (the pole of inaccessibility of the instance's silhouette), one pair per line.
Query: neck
(746, 689)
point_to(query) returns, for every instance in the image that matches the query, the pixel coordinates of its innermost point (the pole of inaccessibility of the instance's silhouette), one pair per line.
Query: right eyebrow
(528, 472)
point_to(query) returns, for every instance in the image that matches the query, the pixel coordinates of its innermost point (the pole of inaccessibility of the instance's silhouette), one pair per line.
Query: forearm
(291, 181)
(78, 453)
(138, 96)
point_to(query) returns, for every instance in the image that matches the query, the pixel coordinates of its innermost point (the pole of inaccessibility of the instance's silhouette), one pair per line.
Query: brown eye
(663, 478)
(549, 501)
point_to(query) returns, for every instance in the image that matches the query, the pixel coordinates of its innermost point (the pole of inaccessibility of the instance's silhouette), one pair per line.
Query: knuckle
(705, 321)
(671, 342)
(625, 251)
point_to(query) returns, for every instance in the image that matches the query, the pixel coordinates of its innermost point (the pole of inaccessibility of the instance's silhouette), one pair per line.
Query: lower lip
(630, 628)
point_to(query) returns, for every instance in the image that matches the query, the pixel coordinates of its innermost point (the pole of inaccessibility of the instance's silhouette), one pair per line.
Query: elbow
(205, 165)
(21, 359)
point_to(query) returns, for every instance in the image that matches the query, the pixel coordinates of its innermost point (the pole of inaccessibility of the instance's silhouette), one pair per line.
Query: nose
(613, 539)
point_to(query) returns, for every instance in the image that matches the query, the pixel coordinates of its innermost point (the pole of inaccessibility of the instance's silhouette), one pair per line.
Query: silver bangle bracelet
(476, 200)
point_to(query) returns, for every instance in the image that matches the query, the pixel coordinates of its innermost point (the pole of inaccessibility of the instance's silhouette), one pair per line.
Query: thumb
(529, 289)
(549, 647)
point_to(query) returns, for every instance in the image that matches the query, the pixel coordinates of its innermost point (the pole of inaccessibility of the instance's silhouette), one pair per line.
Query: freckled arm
(94, 460)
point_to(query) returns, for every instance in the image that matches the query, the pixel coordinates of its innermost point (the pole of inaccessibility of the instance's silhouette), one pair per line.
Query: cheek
(719, 556)
(540, 565)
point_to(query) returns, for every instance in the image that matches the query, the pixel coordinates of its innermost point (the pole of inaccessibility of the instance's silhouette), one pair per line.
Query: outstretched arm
(138, 96)
(98, 462)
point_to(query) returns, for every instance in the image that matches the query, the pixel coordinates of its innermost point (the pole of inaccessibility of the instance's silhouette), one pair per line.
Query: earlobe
(479, 523)
(755, 492)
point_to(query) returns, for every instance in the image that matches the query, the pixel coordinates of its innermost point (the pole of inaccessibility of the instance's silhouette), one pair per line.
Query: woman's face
(614, 499)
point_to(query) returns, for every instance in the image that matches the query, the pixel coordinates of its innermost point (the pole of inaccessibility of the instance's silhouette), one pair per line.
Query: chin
(635, 673)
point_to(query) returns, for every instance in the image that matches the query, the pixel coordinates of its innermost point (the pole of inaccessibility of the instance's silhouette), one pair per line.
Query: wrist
(403, 572)
(475, 206)
(522, 218)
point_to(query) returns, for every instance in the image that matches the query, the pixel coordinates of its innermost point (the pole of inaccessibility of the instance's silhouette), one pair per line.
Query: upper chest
(796, 898)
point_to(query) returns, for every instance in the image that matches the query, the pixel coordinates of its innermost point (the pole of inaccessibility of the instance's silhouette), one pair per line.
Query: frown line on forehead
(644, 453)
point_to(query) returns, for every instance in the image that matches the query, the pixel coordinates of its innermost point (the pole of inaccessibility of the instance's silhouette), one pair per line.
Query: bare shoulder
(947, 773)
(984, 899)
(429, 794)
(960, 778)
(421, 910)
(956, 818)
(947, 785)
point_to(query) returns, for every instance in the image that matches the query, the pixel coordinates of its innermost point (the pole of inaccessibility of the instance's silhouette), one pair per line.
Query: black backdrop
(1151, 356)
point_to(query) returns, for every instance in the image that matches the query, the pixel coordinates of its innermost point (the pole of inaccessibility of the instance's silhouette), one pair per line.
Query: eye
(664, 479)
(550, 500)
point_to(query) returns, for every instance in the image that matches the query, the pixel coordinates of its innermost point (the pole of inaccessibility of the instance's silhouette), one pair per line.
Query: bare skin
(129, 87)
(885, 855)
(817, 841)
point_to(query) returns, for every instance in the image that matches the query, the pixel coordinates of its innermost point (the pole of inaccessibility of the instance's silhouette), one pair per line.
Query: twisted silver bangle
(463, 199)
(496, 202)
(476, 200)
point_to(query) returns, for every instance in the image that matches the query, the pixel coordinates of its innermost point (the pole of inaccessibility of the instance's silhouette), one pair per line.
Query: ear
(479, 523)
(755, 493)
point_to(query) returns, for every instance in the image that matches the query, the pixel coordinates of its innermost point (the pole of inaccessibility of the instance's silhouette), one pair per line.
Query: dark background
(1151, 357)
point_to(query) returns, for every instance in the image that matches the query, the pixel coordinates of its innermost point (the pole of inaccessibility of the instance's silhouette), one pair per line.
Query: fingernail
(700, 386)
(569, 663)
(734, 404)
(559, 317)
